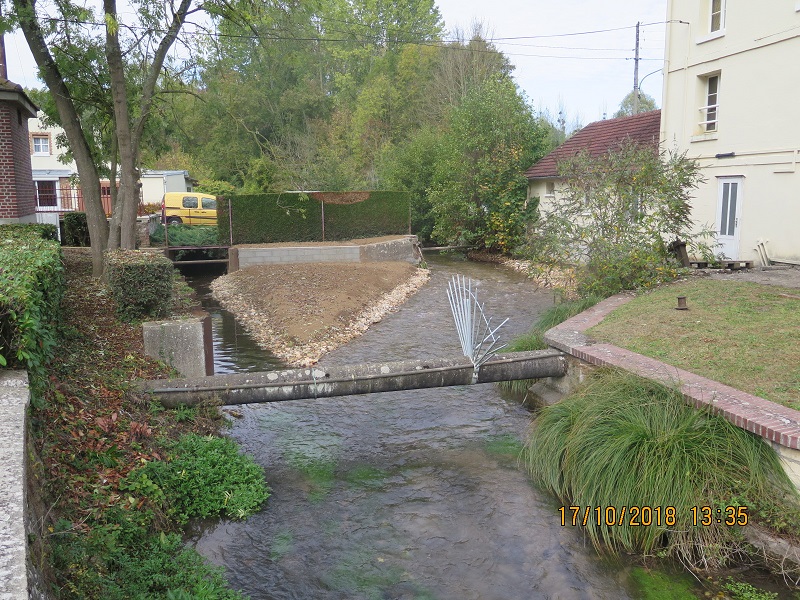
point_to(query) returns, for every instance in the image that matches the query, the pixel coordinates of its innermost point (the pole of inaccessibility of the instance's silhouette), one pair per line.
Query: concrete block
(404, 249)
(184, 344)
(14, 397)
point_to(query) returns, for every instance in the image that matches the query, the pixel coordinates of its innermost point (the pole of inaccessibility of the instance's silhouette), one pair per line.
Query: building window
(717, 15)
(41, 145)
(710, 112)
(550, 189)
(46, 194)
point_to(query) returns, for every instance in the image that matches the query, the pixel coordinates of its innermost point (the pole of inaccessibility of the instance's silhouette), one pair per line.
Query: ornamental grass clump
(622, 441)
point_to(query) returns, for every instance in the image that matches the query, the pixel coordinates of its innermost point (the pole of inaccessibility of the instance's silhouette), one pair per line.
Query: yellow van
(189, 208)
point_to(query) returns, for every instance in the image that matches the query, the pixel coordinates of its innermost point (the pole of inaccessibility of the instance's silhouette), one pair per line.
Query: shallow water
(234, 350)
(413, 494)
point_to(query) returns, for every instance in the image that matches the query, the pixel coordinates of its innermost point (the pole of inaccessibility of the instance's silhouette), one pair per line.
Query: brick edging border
(773, 422)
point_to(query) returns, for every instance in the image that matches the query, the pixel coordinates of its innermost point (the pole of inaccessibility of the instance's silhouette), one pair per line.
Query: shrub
(140, 282)
(205, 477)
(120, 558)
(622, 441)
(76, 229)
(613, 216)
(186, 235)
(31, 288)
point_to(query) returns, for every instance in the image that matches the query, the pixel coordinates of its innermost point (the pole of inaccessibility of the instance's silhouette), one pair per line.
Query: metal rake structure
(478, 340)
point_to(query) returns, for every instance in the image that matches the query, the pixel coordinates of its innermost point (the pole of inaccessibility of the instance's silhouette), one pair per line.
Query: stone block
(184, 344)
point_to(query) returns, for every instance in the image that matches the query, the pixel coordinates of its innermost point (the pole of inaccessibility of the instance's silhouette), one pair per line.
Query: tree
(478, 193)
(613, 216)
(49, 70)
(130, 57)
(627, 106)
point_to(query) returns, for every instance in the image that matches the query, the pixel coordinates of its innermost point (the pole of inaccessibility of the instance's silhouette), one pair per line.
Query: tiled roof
(599, 137)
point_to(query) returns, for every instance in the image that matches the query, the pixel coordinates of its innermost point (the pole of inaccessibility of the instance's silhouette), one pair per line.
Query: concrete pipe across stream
(323, 382)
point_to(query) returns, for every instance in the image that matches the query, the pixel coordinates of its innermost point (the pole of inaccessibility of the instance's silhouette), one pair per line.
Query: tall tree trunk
(125, 209)
(129, 131)
(87, 170)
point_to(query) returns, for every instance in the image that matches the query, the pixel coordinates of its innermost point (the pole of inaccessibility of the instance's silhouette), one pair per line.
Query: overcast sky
(596, 71)
(586, 74)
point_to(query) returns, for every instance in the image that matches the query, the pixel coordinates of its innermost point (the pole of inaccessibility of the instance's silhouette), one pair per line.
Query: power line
(446, 43)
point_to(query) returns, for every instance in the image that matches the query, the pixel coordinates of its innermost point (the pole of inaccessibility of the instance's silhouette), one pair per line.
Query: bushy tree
(410, 167)
(613, 217)
(478, 193)
(629, 105)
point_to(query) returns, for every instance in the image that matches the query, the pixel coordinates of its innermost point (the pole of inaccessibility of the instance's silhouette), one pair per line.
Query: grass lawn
(742, 334)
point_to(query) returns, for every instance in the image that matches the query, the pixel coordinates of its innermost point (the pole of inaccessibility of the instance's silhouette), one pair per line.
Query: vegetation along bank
(113, 478)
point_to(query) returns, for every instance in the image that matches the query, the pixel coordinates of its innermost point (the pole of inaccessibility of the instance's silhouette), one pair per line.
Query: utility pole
(636, 74)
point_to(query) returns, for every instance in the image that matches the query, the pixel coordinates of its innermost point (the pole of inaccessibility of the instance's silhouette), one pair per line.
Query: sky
(596, 69)
(584, 75)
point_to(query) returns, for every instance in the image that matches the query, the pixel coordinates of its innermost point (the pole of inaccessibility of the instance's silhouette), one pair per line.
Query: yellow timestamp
(632, 516)
(646, 516)
(706, 516)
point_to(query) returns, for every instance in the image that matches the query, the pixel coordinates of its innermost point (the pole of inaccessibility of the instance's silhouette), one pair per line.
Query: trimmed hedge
(140, 282)
(186, 235)
(297, 216)
(76, 229)
(31, 288)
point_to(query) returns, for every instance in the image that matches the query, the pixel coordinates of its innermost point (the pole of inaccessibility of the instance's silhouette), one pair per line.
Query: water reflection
(234, 350)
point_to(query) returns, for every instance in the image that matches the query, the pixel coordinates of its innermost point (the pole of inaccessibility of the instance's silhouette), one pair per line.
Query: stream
(404, 495)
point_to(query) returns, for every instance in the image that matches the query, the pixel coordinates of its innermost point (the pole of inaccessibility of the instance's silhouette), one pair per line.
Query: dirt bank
(301, 311)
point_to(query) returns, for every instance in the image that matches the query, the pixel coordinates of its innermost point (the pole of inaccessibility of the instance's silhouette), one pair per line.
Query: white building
(731, 71)
(157, 183)
(56, 182)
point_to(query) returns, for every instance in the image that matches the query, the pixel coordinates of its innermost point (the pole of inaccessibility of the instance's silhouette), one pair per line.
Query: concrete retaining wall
(184, 344)
(400, 249)
(14, 396)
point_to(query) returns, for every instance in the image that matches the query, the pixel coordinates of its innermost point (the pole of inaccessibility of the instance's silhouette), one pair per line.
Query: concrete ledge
(400, 249)
(777, 424)
(14, 397)
(184, 344)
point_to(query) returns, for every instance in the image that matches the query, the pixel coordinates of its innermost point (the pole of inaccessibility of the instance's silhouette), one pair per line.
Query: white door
(729, 208)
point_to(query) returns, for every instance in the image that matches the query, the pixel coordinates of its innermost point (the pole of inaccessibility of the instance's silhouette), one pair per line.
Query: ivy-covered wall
(298, 217)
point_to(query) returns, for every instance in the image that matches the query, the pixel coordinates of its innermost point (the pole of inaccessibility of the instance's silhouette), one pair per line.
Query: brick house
(17, 193)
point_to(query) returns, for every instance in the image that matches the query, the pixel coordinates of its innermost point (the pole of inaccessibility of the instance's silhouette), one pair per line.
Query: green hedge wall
(297, 217)
(31, 288)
